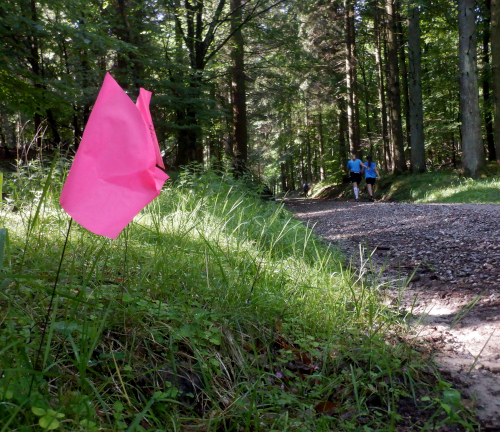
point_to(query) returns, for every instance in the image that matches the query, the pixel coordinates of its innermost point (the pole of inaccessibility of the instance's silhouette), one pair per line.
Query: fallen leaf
(326, 408)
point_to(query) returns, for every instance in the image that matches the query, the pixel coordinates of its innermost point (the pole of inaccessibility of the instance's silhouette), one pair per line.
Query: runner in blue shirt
(371, 173)
(354, 166)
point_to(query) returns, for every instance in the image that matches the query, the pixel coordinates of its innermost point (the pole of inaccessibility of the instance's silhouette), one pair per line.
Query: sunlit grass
(441, 187)
(200, 314)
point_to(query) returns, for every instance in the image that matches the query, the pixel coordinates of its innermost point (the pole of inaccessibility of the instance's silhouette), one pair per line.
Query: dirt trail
(452, 255)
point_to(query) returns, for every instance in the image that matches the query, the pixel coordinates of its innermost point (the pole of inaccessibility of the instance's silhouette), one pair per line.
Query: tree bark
(322, 172)
(404, 74)
(351, 79)
(309, 175)
(394, 91)
(381, 86)
(240, 143)
(291, 171)
(284, 187)
(366, 98)
(34, 61)
(472, 142)
(495, 72)
(342, 133)
(417, 143)
(488, 118)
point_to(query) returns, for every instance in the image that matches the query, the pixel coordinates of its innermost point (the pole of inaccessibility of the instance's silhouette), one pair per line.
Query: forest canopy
(282, 88)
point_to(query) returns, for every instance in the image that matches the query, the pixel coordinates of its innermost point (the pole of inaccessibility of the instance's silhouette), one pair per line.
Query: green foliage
(213, 309)
(441, 187)
(49, 419)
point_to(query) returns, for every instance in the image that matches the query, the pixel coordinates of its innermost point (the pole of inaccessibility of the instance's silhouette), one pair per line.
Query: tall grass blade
(3, 245)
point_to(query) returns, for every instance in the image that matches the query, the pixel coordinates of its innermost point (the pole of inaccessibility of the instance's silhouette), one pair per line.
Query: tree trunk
(342, 133)
(127, 61)
(284, 188)
(472, 142)
(404, 75)
(488, 118)
(240, 143)
(291, 173)
(322, 173)
(309, 178)
(366, 97)
(34, 60)
(381, 86)
(187, 136)
(351, 79)
(417, 146)
(495, 72)
(394, 91)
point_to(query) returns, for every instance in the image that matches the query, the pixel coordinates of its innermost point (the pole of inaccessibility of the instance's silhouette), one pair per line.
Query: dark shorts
(355, 177)
(370, 180)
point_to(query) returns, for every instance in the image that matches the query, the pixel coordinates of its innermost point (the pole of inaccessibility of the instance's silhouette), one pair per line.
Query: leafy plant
(49, 419)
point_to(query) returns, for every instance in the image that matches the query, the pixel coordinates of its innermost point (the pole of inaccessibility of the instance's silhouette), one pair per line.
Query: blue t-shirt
(370, 171)
(354, 165)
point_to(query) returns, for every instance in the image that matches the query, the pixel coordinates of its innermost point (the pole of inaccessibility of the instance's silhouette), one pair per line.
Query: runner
(354, 166)
(371, 174)
(306, 189)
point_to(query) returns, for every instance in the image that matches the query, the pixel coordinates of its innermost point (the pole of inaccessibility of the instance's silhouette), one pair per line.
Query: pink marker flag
(114, 173)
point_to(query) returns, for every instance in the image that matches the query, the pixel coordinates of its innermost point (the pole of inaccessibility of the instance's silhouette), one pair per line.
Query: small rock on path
(450, 254)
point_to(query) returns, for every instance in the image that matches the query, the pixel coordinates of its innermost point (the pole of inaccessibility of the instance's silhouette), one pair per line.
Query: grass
(213, 311)
(441, 187)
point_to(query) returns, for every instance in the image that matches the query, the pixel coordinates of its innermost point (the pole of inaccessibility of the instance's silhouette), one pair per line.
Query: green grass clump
(212, 311)
(441, 187)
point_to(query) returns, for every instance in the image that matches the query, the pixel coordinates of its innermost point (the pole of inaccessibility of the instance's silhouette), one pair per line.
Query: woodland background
(282, 88)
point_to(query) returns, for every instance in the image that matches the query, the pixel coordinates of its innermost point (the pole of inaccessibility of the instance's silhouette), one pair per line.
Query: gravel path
(451, 253)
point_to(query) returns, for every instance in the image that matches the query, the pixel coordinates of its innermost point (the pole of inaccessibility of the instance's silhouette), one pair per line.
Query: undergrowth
(212, 311)
(442, 187)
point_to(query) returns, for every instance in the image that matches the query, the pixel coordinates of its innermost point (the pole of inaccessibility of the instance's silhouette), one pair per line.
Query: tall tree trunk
(240, 143)
(284, 187)
(381, 87)
(389, 151)
(322, 173)
(472, 142)
(417, 146)
(127, 60)
(367, 107)
(495, 71)
(488, 118)
(394, 91)
(404, 73)
(351, 79)
(34, 60)
(291, 173)
(308, 148)
(342, 133)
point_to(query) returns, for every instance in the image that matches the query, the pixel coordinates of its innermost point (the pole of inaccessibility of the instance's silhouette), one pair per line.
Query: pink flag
(114, 173)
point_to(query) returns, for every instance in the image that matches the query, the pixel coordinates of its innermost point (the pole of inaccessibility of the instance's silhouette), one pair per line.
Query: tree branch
(245, 21)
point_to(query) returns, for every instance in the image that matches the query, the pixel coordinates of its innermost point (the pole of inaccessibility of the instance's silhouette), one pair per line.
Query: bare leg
(370, 189)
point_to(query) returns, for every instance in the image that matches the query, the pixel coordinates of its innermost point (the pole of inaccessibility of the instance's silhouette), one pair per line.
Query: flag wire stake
(49, 310)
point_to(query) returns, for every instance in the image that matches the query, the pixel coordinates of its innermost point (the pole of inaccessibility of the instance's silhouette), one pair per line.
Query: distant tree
(488, 118)
(378, 32)
(240, 139)
(415, 84)
(351, 77)
(472, 142)
(495, 71)
(394, 91)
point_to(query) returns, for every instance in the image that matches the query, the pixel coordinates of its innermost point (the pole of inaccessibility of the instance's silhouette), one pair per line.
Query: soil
(448, 258)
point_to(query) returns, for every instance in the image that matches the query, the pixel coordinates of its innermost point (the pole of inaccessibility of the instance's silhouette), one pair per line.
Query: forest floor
(448, 257)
